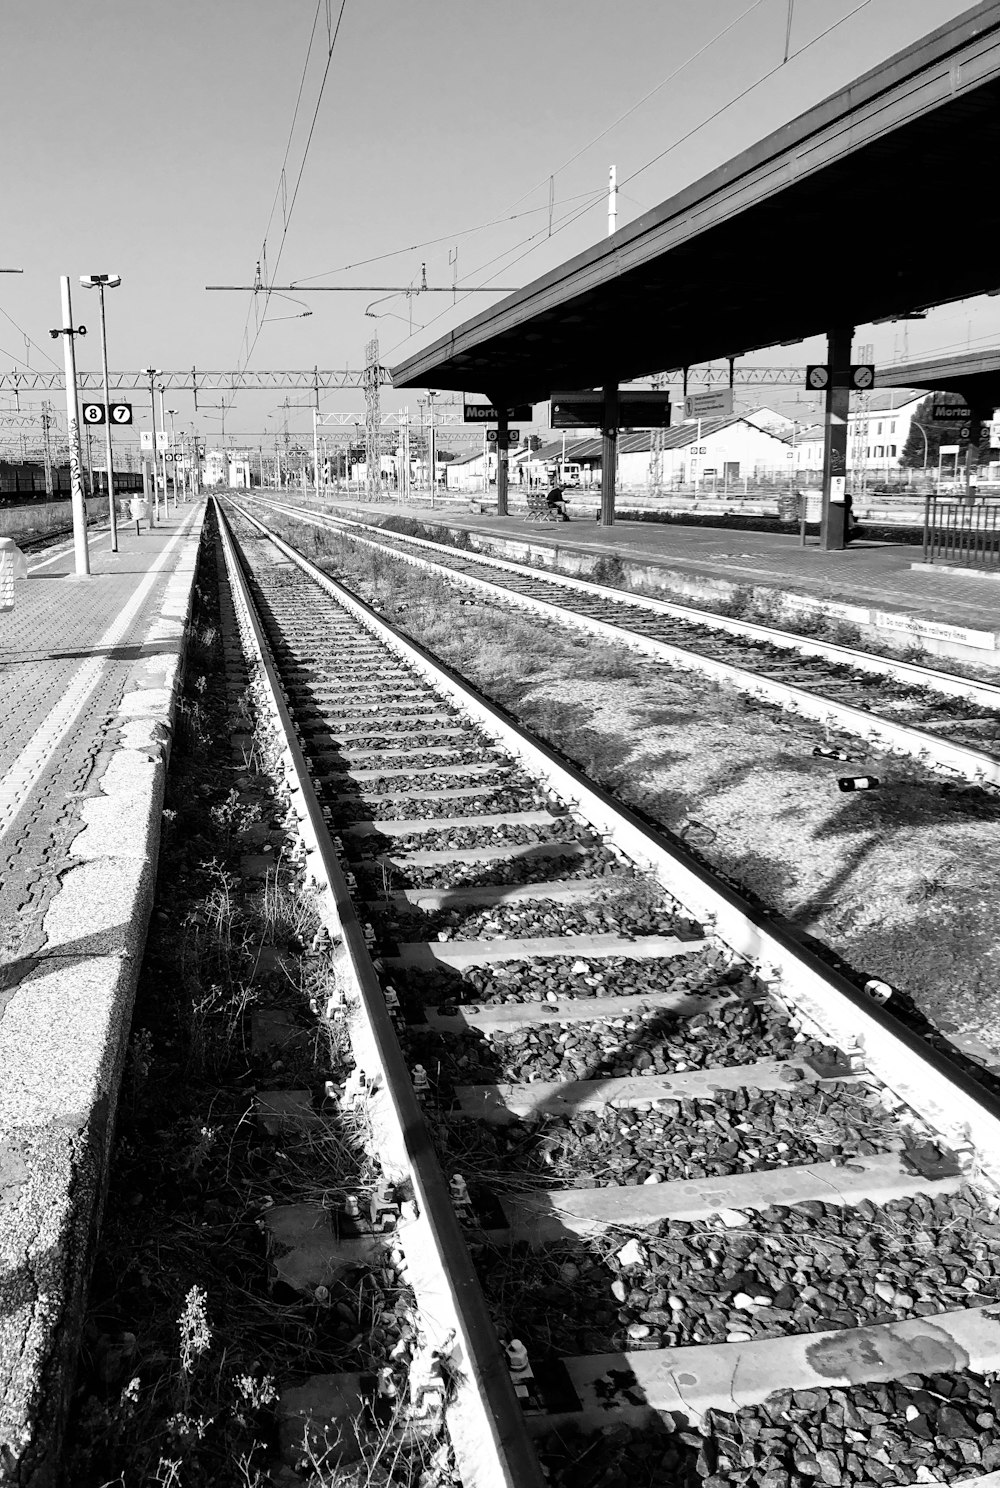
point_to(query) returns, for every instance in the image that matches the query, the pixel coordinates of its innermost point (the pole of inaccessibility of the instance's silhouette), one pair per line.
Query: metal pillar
(981, 413)
(838, 400)
(503, 429)
(609, 454)
(373, 422)
(315, 454)
(80, 550)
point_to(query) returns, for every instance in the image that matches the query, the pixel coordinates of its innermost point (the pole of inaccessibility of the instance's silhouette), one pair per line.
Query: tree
(938, 433)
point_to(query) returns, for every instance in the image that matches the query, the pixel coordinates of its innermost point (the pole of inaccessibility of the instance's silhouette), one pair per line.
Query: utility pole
(68, 332)
(433, 446)
(612, 200)
(315, 414)
(47, 447)
(373, 422)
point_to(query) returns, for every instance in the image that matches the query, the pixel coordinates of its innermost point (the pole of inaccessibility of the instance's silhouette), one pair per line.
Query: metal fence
(962, 532)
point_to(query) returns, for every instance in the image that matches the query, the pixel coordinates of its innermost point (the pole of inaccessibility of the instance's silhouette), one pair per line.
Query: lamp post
(101, 282)
(151, 373)
(173, 451)
(160, 390)
(79, 505)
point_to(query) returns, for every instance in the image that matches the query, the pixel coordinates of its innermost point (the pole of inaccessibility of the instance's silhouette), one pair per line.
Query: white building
(878, 426)
(465, 473)
(717, 452)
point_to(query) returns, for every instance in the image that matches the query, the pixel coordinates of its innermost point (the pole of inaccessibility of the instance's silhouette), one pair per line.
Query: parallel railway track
(947, 721)
(727, 1218)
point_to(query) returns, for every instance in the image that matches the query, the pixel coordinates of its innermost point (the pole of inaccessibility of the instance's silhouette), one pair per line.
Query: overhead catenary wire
(20, 329)
(569, 218)
(288, 207)
(444, 238)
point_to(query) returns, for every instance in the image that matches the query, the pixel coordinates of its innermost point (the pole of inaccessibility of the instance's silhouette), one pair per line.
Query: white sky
(148, 140)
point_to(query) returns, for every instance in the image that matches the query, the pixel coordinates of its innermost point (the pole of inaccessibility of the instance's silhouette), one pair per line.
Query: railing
(962, 532)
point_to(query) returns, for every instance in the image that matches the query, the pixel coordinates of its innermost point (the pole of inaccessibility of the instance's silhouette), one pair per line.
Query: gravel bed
(538, 917)
(427, 807)
(351, 709)
(920, 1427)
(809, 1269)
(654, 1041)
(504, 834)
(387, 784)
(391, 738)
(544, 978)
(598, 862)
(740, 1131)
(460, 756)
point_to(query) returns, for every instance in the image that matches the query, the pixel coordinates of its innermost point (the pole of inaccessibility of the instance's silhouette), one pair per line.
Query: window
(879, 451)
(892, 451)
(878, 427)
(892, 429)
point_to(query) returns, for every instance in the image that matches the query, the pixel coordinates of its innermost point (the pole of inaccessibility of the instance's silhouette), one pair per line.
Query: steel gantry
(193, 380)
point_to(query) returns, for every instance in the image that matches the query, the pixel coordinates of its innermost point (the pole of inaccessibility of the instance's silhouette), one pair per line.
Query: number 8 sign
(93, 413)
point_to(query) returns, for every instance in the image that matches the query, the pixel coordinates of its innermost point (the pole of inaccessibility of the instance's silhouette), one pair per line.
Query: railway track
(686, 1204)
(944, 720)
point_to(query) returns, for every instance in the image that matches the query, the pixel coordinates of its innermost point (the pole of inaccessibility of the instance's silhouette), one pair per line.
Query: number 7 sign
(121, 413)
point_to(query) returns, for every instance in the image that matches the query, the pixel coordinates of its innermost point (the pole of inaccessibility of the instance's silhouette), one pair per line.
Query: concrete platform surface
(951, 612)
(89, 674)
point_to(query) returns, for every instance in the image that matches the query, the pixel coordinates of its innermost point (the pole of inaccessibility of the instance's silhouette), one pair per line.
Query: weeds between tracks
(188, 1341)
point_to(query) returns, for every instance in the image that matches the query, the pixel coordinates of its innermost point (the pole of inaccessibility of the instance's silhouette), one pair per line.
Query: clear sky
(149, 140)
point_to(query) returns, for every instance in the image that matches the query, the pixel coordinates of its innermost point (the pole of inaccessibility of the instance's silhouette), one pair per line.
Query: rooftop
(743, 258)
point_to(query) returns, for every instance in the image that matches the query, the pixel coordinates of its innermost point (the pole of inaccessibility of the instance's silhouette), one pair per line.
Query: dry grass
(896, 881)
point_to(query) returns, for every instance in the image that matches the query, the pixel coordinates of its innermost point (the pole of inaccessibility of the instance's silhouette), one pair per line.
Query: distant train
(25, 482)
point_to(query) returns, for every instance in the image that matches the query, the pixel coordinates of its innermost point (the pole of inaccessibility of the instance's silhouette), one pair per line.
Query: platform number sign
(96, 413)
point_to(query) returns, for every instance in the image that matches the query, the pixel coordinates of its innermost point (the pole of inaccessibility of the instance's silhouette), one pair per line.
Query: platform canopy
(853, 212)
(974, 374)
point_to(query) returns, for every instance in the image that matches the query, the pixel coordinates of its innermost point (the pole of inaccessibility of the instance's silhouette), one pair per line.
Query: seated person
(556, 502)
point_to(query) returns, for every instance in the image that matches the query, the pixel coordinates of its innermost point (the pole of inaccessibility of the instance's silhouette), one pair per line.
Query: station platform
(89, 674)
(870, 584)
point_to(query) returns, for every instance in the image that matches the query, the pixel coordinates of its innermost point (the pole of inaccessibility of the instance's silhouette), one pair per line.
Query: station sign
(162, 439)
(715, 404)
(859, 375)
(487, 413)
(145, 439)
(513, 436)
(951, 413)
(585, 410)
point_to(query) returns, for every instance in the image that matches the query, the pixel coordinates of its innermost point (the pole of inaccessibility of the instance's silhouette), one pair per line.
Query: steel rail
(903, 739)
(485, 1421)
(819, 996)
(947, 683)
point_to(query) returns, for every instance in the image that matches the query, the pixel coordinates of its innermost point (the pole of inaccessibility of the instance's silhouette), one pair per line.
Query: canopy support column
(609, 454)
(503, 426)
(838, 401)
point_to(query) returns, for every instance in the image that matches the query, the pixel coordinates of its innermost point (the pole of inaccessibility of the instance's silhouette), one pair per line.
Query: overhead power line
(569, 218)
